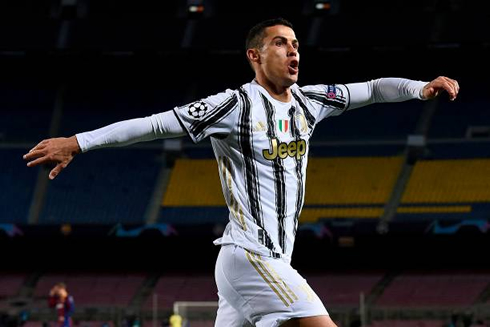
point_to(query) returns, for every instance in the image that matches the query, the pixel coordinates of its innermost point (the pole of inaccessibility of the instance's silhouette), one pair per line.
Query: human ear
(253, 55)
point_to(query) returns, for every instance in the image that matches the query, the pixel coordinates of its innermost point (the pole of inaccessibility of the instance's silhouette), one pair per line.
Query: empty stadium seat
(18, 184)
(343, 289)
(434, 289)
(182, 287)
(93, 289)
(107, 187)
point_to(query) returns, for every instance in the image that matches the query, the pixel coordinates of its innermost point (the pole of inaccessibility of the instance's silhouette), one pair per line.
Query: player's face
(279, 56)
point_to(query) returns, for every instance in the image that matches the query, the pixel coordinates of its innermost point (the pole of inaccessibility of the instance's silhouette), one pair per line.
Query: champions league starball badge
(197, 109)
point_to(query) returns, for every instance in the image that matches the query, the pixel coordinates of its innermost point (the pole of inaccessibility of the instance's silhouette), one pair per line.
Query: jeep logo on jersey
(197, 109)
(282, 150)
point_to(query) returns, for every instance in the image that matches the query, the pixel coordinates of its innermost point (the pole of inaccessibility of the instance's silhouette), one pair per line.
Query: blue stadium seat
(452, 119)
(104, 187)
(375, 122)
(26, 113)
(17, 183)
(88, 109)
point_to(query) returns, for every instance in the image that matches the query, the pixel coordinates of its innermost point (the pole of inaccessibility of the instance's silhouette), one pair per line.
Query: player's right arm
(62, 150)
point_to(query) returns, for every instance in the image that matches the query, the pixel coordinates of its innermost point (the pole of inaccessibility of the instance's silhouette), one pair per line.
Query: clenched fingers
(449, 85)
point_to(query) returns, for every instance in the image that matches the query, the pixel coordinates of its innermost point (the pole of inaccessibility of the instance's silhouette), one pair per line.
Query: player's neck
(280, 93)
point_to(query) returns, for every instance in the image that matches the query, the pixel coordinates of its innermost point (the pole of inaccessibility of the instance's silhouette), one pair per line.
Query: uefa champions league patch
(197, 109)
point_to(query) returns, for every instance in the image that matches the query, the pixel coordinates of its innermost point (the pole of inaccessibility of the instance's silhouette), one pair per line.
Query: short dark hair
(256, 34)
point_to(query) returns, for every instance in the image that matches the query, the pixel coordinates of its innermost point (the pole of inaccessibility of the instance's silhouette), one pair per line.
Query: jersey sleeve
(326, 100)
(211, 116)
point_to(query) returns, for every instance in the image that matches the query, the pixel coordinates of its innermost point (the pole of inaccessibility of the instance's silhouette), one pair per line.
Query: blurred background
(394, 231)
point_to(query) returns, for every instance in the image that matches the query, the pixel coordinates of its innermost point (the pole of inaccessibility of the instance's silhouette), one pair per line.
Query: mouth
(293, 67)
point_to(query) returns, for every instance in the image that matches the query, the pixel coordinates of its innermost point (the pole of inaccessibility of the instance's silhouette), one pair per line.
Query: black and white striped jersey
(261, 146)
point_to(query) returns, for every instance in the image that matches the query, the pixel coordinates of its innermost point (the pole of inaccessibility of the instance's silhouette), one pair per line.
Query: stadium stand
(76, 323)
(387, 122)
(114, 193)
(360, 186)
(92, 289)
(412, 289)
(20, 181)
(454, 120)
(182, 287)
(26, 112)
(453, 188)
(82, 104)
(10, 285)
(343, 289)
(74, 67)
(409, 323)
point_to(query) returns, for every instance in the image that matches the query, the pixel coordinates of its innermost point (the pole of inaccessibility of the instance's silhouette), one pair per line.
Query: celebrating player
(260, 134)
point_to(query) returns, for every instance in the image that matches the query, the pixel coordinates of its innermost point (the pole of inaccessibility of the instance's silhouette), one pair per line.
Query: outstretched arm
(62, 150)
(399, 89)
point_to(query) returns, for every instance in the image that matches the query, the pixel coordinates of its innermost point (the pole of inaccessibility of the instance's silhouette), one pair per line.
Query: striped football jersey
(261, 146)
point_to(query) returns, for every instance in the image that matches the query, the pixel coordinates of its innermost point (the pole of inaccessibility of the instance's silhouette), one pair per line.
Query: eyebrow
(294, 41)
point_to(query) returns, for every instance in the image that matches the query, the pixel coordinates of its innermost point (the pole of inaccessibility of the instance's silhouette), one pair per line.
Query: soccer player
(260, 134)
(64, 304)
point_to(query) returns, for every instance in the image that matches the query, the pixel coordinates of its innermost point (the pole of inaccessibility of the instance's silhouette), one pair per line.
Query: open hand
(442, 83)
(59, 151)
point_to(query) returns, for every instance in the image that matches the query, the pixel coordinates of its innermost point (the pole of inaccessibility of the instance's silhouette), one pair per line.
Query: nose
(292, 51)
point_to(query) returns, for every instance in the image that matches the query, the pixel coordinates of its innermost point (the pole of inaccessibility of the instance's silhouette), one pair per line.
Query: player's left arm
(399, 89)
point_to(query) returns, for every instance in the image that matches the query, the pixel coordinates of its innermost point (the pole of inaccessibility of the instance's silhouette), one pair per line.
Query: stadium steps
(27, 289)
(484, 296)
(379, 288)
(144, 291)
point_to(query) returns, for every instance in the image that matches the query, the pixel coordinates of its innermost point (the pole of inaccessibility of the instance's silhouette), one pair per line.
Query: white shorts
(260, 291)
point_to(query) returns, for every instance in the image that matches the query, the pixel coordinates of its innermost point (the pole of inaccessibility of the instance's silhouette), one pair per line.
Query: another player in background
(64, 304)
(260, 136)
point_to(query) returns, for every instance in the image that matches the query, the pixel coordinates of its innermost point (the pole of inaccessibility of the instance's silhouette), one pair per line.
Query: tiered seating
(407, 323)
(448, 189)
(386, 122)
(10, 284)
(344, 288)
(26, 112)
(194, 192)
(18, 184)
(354, 187)
(193, 323)
(93, 323)
(93, 289)
(452, 119)
(90, 108)
(76, 323)
(110, 186)
(357, 188)
(182, 287)
(437, 289)
(457, 150)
